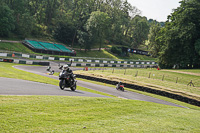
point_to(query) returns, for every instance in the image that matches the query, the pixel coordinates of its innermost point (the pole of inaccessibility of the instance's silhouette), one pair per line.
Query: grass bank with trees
(18, 47)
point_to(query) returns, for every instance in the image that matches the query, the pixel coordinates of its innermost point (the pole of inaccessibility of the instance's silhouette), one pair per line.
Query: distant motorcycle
(51, 72)
(120, 87)
(66, 81)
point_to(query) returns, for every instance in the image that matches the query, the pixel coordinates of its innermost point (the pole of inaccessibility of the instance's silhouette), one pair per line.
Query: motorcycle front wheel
(62, 84)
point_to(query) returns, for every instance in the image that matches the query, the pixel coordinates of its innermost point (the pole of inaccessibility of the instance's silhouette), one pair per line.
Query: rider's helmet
(65, 67)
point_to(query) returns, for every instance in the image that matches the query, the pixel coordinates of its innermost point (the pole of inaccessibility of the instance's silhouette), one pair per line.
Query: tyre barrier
(25, 62)
(7, 60)
(145, 89)
(43, 63)
(87, 62)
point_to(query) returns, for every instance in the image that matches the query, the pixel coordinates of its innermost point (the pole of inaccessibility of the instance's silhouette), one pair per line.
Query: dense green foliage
(91, 23)
(138, 37)
(116, 50)
(197, 46)
(178, 41)
(154, 43)
(75, 22)
(6, 20)
(63, 32)
(97, 26)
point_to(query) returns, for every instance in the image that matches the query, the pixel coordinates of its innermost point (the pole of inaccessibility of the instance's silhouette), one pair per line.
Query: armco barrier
(145, 89)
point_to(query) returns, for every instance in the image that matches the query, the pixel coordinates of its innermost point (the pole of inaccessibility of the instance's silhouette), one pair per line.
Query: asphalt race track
(22, 87)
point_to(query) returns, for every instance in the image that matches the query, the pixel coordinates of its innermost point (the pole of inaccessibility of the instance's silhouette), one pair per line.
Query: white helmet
(65, 67)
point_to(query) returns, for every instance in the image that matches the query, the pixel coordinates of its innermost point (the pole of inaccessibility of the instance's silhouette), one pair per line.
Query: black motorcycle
(66, 81)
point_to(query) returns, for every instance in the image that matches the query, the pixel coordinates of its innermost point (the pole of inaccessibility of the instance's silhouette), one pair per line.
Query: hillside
(18, 47)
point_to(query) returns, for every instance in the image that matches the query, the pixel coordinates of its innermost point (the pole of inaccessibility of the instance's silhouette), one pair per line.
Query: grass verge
(81, 114)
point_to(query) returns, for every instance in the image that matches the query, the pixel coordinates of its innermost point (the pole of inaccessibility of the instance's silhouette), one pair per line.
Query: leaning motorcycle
(120, 87)
(66, 81)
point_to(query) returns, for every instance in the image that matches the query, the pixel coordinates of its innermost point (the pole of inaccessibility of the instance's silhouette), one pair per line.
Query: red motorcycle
(120, 87)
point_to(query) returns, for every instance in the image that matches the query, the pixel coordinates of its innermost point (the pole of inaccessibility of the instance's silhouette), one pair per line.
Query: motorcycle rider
(66, 68)
(49, 68)
(118, 85)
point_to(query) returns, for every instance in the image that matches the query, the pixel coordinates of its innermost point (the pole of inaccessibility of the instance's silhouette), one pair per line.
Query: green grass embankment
(106, 54)
(18, 47)
(81, 114)
(95, 54)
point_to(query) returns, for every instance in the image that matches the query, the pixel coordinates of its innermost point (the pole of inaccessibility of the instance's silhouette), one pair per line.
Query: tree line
(81, 22)
(177, 44)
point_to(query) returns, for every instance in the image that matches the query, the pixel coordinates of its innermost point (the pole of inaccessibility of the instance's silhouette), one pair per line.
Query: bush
(6, 20)
(197, 46)
(115, 50)
(64, 32)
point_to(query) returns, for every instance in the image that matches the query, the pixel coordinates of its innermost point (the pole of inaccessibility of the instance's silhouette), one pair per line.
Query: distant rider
(118, 85)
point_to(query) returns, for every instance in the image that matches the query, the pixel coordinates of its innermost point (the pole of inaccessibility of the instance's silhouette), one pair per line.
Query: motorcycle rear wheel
(62, 84)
